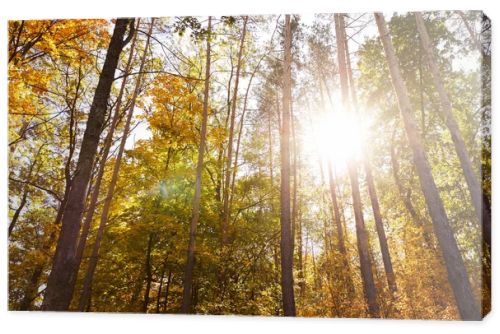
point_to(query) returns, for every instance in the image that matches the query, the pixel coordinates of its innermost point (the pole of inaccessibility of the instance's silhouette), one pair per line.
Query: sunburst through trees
(330, 165)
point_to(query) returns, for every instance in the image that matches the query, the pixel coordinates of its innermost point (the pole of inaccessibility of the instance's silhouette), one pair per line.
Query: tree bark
(457, 273)
(379, 224)
(286, 233)
(89, 275)
(108, 142)
(188, 274)
(369, 288)
(59, 289)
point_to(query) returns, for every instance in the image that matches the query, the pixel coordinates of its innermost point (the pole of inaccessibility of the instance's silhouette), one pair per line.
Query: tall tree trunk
(59, 289)
(286, 232)
(89, 275)
(188, 274)
(149, 274)
(227, 181)
(379, 224)
(479, 201)
(457, 273)
(369, 289)
(108, 142)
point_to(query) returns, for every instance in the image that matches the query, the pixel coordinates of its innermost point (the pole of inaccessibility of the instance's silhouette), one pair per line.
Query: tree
(384, 248)
(59, 289)
(92, 206)
(285, 219)
(85, 296)
(457, 274)
(482, 208)
(188, 273)
(229, 158)
(362, 237)
(479, 200)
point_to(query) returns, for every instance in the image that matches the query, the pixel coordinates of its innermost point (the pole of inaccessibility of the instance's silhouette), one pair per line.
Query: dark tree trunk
(59, 288)
(82, 241)
(286, 231)
(89, 275)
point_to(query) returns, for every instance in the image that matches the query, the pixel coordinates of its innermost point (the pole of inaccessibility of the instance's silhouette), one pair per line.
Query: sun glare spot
(336, 137)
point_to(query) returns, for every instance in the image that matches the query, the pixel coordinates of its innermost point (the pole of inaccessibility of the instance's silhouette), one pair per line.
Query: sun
(336, 137)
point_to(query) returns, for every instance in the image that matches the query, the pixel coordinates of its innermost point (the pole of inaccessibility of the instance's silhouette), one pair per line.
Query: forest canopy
(328, 165)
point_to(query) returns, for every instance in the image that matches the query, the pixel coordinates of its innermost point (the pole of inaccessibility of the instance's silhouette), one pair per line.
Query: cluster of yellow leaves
(36, 50)
(176, 109)
(72, 39)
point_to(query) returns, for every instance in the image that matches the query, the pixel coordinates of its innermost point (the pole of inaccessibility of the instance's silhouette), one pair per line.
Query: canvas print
(328, 165)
